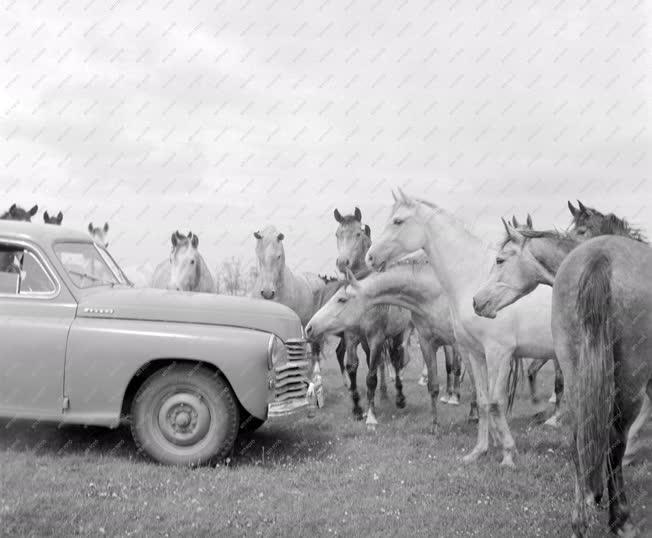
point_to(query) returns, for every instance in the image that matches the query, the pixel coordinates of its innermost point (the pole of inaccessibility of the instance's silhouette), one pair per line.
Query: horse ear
(394, 196)
(280, 237)
(33, 211)
(12, 208)
(174, 239)
(194, 241)
(337, 215)
(367, 231)
(90, 227)
(106, 227)
(515, 222)
(358, 214)
(46, 217)
(257, 235)
(60, 217)
(575, 212)
(529, 221)
(585, 210)
(404, 197)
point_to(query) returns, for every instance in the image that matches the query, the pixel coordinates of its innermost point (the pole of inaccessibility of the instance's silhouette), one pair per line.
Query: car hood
(149, 304)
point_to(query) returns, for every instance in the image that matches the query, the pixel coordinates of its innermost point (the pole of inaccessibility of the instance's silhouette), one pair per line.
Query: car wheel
(185, 416)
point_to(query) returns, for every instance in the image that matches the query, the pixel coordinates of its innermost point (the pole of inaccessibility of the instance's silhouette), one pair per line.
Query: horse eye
(580, 231)
(342, 300)
(499, 261)
(192, 262)
(398, 222)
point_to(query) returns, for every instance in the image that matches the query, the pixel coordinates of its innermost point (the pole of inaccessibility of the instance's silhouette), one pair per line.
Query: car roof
(40, 233)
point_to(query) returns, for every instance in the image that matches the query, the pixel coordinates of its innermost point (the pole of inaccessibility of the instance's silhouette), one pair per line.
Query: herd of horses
(427, 272)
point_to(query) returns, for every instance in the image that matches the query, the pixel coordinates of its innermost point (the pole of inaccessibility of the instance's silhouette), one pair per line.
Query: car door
(36, 312)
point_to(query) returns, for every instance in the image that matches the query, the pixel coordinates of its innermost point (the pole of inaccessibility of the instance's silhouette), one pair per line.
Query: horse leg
(382, 367)
(397, 357)
(340, 353)
(445, 397)
(376, 346)
(633, 444)
(429, 352)
(456, 367)
(479, 368)
(532, 371)
(473, 406)
(423, 378)
(555, 419)
(352, 370)
(498, 365)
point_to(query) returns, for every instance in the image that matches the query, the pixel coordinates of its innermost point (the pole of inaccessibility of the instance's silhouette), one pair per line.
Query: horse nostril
(308, 330)
(475, 305)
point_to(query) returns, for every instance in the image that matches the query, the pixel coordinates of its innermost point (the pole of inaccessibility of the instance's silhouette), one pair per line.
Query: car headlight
(277, 353)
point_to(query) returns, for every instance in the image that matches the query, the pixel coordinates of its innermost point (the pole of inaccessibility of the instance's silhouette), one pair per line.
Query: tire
(185, 415)
(250, 424)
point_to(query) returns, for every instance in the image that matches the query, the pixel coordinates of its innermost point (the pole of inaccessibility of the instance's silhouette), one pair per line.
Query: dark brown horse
(18, 213)
(382, 330)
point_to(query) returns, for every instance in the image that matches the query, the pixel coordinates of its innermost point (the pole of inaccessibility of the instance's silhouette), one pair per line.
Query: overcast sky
(223, 117)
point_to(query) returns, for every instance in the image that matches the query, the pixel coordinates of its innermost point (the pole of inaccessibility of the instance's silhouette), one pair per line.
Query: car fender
(103, 355)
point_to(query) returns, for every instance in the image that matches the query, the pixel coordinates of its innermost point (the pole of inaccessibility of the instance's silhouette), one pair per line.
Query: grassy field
(325, 476)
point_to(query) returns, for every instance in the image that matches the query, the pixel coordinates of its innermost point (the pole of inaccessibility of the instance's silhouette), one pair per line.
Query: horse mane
(328, 278)
(610, 224)
(529, 233)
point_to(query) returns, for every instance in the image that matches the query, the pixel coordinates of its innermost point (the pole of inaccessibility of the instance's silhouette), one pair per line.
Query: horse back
(630, 285)
(161, 276)
(206, 282)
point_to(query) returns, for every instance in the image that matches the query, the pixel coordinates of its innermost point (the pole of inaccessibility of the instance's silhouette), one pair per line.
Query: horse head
(271, 261)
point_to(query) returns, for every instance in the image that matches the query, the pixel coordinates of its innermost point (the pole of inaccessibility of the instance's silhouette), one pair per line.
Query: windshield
(88, 266)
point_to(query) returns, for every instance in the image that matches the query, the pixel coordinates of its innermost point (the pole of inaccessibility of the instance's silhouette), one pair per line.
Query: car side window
(21, 272)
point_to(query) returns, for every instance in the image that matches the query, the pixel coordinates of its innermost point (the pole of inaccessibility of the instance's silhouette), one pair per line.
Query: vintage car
(188, 371)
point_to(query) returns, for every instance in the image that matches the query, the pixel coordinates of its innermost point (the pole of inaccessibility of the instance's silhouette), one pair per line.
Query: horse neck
(550, 252)
(461, 261)
(359, 263)
(403, 286)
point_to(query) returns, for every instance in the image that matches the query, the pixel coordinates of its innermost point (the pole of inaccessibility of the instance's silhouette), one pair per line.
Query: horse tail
(515, 373)
(595, 371)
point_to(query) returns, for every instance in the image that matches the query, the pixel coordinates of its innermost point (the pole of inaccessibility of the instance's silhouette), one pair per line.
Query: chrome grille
(292, 377)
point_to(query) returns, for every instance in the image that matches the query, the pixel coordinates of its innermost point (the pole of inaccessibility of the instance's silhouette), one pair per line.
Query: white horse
(185, 269)
(461, 261)
(276, 282)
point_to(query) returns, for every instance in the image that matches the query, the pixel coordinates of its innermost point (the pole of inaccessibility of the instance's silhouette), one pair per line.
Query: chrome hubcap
(184, 418)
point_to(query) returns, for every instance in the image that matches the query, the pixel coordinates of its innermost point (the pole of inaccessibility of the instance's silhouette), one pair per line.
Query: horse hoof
(371, 427)
(454, 400)
(628, 531)
(444, 399)
(357, 414)
(507, 461)
(346, 382)
(552, 399)
(473, 456)
(423, 381)
(472, 420)
(552, 422)
(400, 403)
